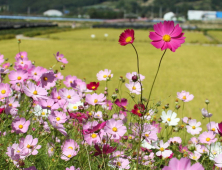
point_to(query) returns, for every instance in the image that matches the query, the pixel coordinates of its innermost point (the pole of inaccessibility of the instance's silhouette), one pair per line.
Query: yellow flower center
(75, 107)
(28, 146)
(45, 78)
(93, 135)
(138, 111)
(43, 113)
(134, 88)
(70, 147)
(21, 62)
(93, 87)
(58, 118)
(128, 39)
(3, 91)
(60, 58)
(35, 74)
(58, 97)
(95, 101)
(18, 151)
(90, 114)
(207, 139)
(148, 114)
(104, 140)
(22, 56)
(10, 104)
(118, 163)
(194, 157)
(147, 135)
(104, 76)
(193, 127)
(109, 76)
(78, 115)
(213, 129)
(52, 149)
(35, 92)
(98, 115)
(168, 119)
(20, 126)
(19, 78)
(130, 137)
(69, 97)
(162, 149)
(166, 38)
(69, 156)
(49, 106)
(184, 98)
(114, 129)
(214, 152)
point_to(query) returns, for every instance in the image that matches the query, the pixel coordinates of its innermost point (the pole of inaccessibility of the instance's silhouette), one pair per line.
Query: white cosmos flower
(148, 145)
(74, 107)
(38, 111)
(163, 151)
(170, 118)
(215, 150)
(193, 127)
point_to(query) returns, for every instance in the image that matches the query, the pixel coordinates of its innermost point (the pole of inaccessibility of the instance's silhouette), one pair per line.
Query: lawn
(193, 68)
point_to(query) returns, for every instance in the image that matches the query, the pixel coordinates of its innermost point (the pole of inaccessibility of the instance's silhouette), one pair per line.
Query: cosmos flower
(162, 150)
(17, 76)
(193, 127)
(205, 113)
(134, 87)
(127, 37)
(207, 137)
(212, 126)
(72, 168)
(167, 36)
(170, 118)
(92, 85)
(60, 58)
(104, 75)
(218, 160)
(185, 96)
(94, 99)
(106, 149)
(20, 125)
(182, 164)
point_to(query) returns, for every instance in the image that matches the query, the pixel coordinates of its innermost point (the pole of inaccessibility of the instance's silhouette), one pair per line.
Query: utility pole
(160, 12)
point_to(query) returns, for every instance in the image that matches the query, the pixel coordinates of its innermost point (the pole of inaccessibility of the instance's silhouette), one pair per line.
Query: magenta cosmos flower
(185, 96)
(115, 128)
(167, 36)
(20, 125)
(60, 58)
(182, 164)
(207, 137)
(127, 37)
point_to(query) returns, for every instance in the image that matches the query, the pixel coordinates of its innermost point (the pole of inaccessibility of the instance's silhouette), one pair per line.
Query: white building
(201, 15)
(53, 12)
(169, 16)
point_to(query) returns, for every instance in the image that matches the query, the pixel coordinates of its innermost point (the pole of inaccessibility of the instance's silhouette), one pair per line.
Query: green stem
(154, 81)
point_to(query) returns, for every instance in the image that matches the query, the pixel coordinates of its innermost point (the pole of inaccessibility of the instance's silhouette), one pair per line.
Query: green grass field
(193, 68)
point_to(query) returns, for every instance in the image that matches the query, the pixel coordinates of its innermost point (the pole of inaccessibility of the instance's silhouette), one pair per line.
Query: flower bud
(135, 78)
(6, 59)
(191, 147)
(123, 80)
(177, 107)
(33, 63)
(158, 103)
(166, 106)
(85, 104)
(114, 96)
(33, 129)
(159, 120)
(19, 41)
(207, 101)
(62, 67)
(117, 90)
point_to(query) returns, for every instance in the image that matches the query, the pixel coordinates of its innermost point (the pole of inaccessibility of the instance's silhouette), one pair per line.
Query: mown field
(193, 68)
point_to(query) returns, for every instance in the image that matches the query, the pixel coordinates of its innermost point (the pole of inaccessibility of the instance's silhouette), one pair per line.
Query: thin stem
(154, 80)
(138, 70)
(88, 156)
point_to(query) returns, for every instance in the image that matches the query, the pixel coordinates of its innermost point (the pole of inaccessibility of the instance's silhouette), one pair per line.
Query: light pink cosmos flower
(162, 150)
(36, 72)
(6, 65)
(69, 95)
(58, 117)
(59, 76)
(218, 160)
(20, 125)
(69, 149)
(131, 76)
(2, 59)
(5, 90)
(193, 140)
(4, 70)
(29, 145)
(201, 149)
(195, 156)
(14, 152)
(120, 117)
(18, 76)
(48, 80)
(11, 102)
(23, 65)
(167, 36)
(31, 168)
(21, 56)
(134, 87)
(207, 137)
(69, 80)
(72, 168)
(51, 149)
(93, 138)
(94, 99)
(185, 120)
(49, 104)
(36, 92)
(104, 75)
(120, 163)
(182, 164)
(59, 127)
(212, 126)
(115, 128)
(205, 113)
(60, 58)
(193, 127)
(149, 132)
(185, 96)
(175, 140)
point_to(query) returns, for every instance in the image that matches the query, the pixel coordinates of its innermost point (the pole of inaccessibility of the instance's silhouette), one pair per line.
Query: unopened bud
(33, 63)
(175, 129)
(19, 41)
(33, 129)
(6, 59)
(11, 65)
(114, 96)
(159, 120)
(62, 67)
(85, 104)
(158, 103)
(81, 108)
(117, 90)
(177, 107)
(167, 106)
(135, 78)
(123, 80)
(207, 101)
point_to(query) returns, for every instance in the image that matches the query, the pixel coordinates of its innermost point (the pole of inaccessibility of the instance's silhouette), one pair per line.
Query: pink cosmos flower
(69, 95)
(36, 92)
(58, 117)
(108, 105)
(51, 148)
(218, 160)
(20, 125)
(193, 140)
(23, 65)
(21, 56)
(104, 75)
(212, 126)
(48, 80)
(194, 156)
(59, 76)
(49, 104)
(2, 59)
(134, 76)
(127, 37)
(162, 150)
(94, 99)
(149, 132)
(18, 76)
(207, 137)
(29, 145)
(69, 80)
(167, 36)
(205, 113)
(69, 149)
(36, 72)
(72, 168)
(120, 117)
(13, 152)
(5, 90)
(175, 140)
(193, 127)
(60, 58)
(6, 65)
(182, 164)
(185, 96)
(11, 102)
(134, 87)
(120, 163)
(59, 127)
(115, 128)
(31, 168)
